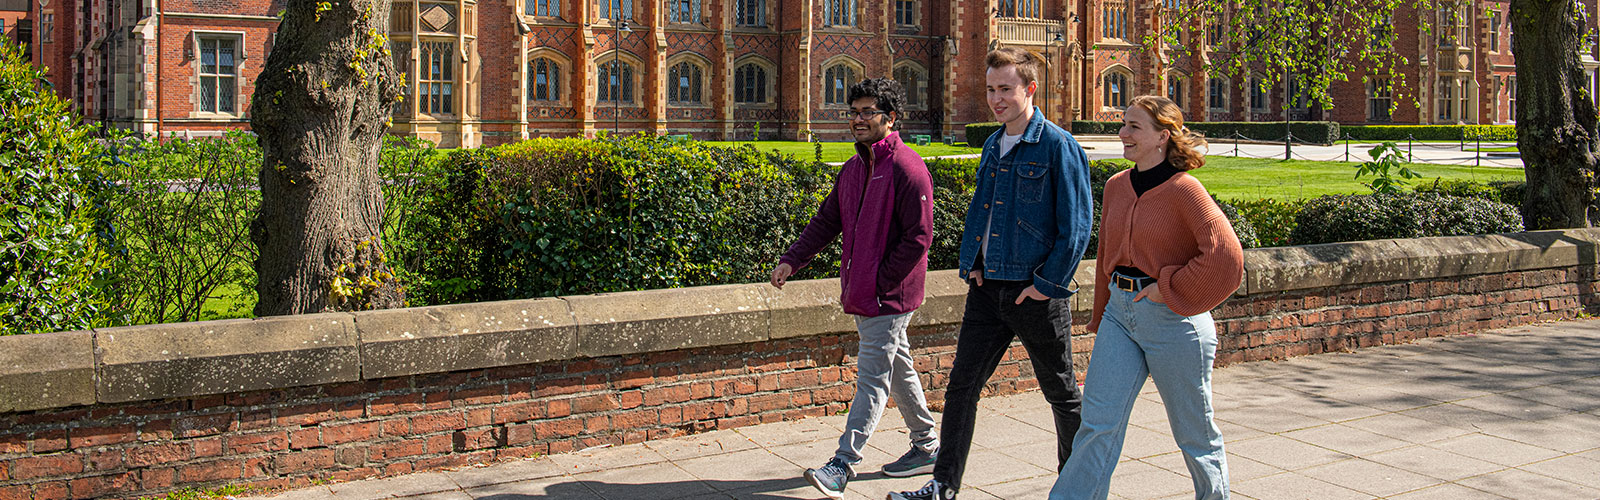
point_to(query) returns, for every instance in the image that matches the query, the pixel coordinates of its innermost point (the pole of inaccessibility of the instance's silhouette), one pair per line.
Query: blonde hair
(1027, 63)
(1183, 146)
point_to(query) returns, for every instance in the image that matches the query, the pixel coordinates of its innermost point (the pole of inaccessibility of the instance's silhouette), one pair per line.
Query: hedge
(977, 133)
(1337, 218)
(1497, 133)
(1309, 132)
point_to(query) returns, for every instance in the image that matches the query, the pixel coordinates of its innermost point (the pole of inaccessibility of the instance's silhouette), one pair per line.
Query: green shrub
(1311, 132)
(978, 133)
(569, 216)
(182, 215)
(1273, 220)
(1400, 215)
(1242, 227)
(1508, 192)
(1431, 132)
(53, 232)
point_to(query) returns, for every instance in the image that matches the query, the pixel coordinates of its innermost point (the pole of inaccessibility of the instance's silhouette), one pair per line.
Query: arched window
(1218, 95)
(750, 12)
(436, 80)
(1258, 97)
(1116, 89)
(1175, 85)
(544, 80)
(836, 82)
(914, 81)
(616, 81)
(684, 83)
(683, 11)
(544, 8)
(1114, 17)
(839, 12)
(750, 84)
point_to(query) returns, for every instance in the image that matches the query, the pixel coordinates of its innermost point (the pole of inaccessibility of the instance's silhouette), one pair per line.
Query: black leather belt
(1132, 284)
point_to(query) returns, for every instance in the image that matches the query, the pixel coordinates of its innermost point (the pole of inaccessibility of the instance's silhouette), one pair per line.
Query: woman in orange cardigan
(1167, 256)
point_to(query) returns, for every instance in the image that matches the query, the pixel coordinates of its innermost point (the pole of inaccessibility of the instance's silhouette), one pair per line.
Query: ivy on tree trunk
(320, 108)
(1555, 114)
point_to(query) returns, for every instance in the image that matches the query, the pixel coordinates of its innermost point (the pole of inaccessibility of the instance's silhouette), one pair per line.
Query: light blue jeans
(1138, 339)
(884, 369)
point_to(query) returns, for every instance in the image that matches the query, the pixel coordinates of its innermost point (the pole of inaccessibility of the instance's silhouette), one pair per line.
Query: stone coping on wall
(154, 362)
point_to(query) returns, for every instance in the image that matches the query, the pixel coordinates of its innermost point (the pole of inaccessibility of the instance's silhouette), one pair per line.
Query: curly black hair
(889, 93)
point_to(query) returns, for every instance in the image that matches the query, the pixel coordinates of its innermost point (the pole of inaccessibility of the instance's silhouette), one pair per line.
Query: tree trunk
(1555, 114)
(320, 109)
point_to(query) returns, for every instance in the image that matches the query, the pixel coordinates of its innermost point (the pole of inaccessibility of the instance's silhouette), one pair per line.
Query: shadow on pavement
(585, 489)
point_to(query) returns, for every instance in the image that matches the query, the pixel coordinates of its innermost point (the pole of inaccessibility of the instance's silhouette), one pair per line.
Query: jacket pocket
(1032, 231)
(1030, 182)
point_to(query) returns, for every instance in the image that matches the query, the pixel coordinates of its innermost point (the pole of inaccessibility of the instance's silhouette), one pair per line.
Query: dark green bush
(1508, 192)
(1400, 215)
(1498, 133)
(53, 227)
(978, 133)
(1242, 227)
(569, 216)
(1311, 132)
(1273, 220)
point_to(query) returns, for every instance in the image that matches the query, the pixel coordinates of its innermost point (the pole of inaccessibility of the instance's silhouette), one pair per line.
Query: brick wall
(144, 410)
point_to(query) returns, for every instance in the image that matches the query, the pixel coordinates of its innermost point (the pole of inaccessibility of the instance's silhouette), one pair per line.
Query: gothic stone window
(750, 12)
(1379, 100)
(616, 81)
(837, 80)
(839, 12)
(544, 8)
(436, 81)
(1116, 89)
(683, 11)
(684, 83)
(544, 80)
(750, 84)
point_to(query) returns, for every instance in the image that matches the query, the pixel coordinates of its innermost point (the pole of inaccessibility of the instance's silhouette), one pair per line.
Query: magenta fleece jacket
(885, 214)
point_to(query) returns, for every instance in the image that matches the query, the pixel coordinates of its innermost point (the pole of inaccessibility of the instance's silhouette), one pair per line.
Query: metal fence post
(1347, 148)
(1410, 158)
(1235, 144)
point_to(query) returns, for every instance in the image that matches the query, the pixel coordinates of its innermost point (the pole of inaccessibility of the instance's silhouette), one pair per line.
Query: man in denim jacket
(1026, 229)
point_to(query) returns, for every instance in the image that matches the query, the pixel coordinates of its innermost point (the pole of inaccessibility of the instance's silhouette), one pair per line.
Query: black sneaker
(831, 478)
(914, 462)
(934, 490)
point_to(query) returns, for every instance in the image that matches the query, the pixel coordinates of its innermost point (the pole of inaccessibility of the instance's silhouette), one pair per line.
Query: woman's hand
(1151, 292)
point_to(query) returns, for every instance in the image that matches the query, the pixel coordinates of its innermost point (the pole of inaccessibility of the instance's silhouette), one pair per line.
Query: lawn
(1250, 178)
(836, 152)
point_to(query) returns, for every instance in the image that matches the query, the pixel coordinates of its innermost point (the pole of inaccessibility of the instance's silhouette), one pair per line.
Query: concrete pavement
(1512, 414)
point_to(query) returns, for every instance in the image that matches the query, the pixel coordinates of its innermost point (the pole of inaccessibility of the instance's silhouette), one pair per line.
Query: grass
(229, 491)
(1507, 149)
(835, 152)
(1251, 178)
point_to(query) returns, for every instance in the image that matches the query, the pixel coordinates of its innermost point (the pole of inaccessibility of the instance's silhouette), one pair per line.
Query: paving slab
(1510, 414)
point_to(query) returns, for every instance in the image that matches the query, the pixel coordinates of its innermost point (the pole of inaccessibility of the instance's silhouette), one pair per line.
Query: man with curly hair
(882, 206)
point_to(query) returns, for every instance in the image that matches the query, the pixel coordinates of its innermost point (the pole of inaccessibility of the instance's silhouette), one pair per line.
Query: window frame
(197, 40)
(841, 13)
(436, 90)
(1258, 95)
(675, 87)
(918, 88)
(768, 82)
(855, 71)
(1377, 94)
(1175, 82)
(556, 84)
(627, 85)
(694, 8)
(624, 7)
(742, 12)
(1217, 94)
(551, 10)
(1121, 92)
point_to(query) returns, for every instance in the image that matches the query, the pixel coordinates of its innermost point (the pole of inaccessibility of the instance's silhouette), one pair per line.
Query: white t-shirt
(1007, 142)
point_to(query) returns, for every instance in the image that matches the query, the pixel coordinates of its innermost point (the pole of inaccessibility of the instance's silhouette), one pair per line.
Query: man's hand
(1151, 292)
(977, 276)
(781, 274)
(1031, 293)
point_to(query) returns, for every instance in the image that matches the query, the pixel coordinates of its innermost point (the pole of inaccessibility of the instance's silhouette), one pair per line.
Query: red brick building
(495, 71)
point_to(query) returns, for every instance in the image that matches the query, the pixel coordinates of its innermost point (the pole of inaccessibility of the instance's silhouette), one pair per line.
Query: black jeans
(992, 320)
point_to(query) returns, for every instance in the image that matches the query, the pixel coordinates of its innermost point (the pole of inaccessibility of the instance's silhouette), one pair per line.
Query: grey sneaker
(912, 463)
(831, 478)
(934, 490)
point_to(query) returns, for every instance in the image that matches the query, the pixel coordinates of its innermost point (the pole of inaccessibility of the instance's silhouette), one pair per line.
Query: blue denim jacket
(1039, 193)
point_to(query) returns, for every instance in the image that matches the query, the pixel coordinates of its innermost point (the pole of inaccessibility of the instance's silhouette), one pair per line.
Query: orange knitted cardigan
(1176, 233)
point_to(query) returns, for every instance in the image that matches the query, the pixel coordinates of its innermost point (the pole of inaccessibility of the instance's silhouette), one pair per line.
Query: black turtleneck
(1148, 179)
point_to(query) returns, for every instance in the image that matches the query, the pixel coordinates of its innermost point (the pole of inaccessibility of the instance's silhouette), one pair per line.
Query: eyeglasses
(865, 114)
